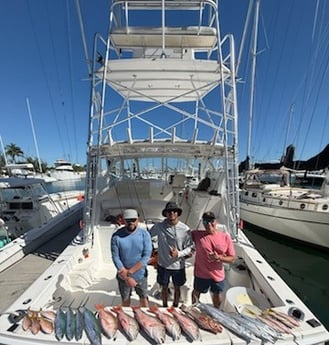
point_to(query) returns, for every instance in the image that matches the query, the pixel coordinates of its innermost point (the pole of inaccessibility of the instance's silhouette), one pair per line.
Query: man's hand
(174, 252)
(123, 273)
(131, 281)
(213, 256)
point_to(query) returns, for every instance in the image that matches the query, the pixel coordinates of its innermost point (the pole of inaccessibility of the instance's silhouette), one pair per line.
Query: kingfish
(79, 324)
(128, 324)
(92, 327)
(60, 324)
(108, 321)
(189, 327)
(259, 331)
(228, 322)
(170, 323)
(152, 326)
(70, 324)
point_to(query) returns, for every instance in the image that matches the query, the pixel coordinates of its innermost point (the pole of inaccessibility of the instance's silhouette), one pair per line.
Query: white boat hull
(74, 276)
(307, 226)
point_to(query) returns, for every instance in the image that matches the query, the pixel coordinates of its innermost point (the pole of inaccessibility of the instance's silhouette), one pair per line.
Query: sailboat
(289, 202)
(176, 123)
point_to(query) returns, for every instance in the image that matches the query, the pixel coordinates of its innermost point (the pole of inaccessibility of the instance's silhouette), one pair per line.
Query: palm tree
(35, 162)
(13, 151)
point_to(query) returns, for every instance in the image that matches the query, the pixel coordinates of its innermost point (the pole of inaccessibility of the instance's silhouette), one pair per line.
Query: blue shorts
(126, 290)
(178, 276)
(203, 285)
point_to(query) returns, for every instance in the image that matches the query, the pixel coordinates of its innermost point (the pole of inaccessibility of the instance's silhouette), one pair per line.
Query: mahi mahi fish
(189, 327)
(108, 321)
(128, 324)
(171, 324)
(152, 326)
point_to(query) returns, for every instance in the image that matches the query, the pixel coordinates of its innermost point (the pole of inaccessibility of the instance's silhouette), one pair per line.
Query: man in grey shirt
(174, 245)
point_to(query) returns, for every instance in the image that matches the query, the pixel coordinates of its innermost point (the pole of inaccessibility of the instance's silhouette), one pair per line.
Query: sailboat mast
(3, 150)
(34, 137)
(253, 72)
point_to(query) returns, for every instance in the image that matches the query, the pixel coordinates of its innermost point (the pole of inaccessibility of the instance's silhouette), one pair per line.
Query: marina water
(303, 268)
(66, 185)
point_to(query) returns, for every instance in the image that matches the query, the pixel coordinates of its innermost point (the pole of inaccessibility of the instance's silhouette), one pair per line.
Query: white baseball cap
(130, 213)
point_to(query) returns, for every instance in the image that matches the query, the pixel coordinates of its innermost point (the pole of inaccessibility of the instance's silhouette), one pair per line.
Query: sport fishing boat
(176, 123)
(30, 216)
(291, 203)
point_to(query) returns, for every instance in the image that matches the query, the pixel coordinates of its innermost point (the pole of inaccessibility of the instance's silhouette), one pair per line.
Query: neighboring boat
(178, 115)
(291, 203)
(25, 170)
(31, 216)
(64, 171)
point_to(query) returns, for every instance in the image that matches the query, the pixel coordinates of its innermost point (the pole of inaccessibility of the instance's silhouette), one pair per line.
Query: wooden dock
(15, 279)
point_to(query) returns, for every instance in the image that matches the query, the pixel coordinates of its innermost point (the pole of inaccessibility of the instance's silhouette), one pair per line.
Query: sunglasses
(131, 220)
(207, 221)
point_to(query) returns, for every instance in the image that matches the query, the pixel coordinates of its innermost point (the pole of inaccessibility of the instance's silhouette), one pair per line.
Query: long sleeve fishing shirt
(169, 236)
(128, 248)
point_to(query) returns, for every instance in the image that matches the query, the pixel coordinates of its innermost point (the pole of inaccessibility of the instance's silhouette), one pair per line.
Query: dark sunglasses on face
(131, 220)
(207, 221)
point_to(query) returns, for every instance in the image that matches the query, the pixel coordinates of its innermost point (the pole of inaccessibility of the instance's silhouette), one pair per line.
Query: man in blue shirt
(131, 248)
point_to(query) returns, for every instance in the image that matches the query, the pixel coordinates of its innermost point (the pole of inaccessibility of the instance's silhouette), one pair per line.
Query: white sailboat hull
(307, 226)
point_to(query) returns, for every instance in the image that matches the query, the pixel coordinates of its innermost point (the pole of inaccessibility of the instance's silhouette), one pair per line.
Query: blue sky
(43, 61)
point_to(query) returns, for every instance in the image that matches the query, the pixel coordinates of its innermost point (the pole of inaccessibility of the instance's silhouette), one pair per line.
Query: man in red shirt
(213, 248)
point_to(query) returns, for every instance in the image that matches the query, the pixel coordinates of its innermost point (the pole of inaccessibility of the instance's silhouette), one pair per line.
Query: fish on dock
(189, 327)
(228, 322)
(47, 326)
(152, 326)
(171, 324)
(79, 324)
(92, 327)
(204, 321)
(128, 324)
(60, 324)
(70, 324)
(109, 322)
(282, 317)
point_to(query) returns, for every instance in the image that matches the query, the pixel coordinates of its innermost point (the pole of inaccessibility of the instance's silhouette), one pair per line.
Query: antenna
(34, 137)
